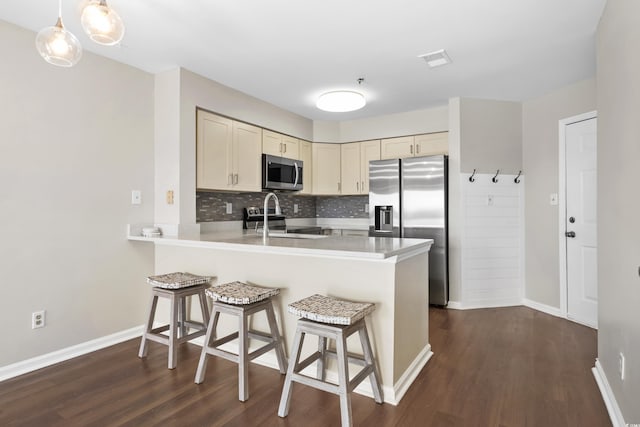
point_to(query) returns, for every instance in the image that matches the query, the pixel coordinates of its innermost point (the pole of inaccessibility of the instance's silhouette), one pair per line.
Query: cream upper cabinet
(355, 165)
(415, 146)
(397, 148)
(432, 143)
(326, 168)
(280, 145)
(227, 154)
(307, 166)
(369, 150)
(350, 168)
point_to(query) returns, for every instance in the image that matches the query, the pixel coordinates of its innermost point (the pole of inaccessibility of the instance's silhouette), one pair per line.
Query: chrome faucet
(265, 227)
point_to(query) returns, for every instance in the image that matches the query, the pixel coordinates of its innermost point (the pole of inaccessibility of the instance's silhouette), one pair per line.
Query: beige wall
(490, 136)
(540, 150)
(73, 144)
(618, 81)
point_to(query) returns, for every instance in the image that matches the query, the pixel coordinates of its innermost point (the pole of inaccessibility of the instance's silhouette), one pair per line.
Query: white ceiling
(287, 52)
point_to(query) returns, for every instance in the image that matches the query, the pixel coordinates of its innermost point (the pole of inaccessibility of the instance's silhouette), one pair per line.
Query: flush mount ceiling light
(101, 23)
(436, 59)
(341, 101)
(58, 46)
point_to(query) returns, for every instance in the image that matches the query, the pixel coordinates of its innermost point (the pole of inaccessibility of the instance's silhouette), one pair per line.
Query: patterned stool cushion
(239, 293)
(177, 280)
(325, 309)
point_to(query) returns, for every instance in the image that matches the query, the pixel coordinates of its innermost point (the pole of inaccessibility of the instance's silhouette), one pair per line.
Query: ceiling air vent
(436, 59)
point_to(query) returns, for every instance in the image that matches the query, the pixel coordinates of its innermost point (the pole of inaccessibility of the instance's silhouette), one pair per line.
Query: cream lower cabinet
(326, 168)
(277, 144)
(415, 146)
(355, 165)
(227, 154)
(305, 154)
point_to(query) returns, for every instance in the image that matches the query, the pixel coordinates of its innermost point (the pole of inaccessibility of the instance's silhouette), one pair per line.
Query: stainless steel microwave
(280, 173)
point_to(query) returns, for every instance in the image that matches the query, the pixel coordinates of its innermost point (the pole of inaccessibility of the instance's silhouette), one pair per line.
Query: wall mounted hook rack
(495, 178)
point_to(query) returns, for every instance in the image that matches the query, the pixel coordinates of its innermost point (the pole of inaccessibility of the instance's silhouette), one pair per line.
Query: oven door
(279, 173)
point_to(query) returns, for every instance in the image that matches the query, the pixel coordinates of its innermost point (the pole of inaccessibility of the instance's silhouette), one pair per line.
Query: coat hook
(495, 178)
(517, 180)
(471, 178)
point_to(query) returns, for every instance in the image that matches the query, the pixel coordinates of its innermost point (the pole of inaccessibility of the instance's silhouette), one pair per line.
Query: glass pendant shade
(341, 101)
(101, 23)
(58, 46)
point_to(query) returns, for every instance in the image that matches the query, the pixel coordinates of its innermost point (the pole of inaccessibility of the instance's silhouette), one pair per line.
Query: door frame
(562, 202)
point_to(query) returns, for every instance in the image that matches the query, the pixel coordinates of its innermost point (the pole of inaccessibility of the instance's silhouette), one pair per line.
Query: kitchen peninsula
(392, 273)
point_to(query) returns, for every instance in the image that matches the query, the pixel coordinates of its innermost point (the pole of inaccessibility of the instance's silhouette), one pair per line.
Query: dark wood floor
(494, 367)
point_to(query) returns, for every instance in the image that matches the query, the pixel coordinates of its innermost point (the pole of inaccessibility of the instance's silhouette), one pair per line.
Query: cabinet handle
(362, 187)
(235, 179)
(417, 149)
(285, 148)
(411, 149)
(357, 186)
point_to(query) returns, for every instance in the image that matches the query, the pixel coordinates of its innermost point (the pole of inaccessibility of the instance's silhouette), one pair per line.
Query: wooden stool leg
(173, 338)
(182, 316)
(321, 367)
(374, 377)
(343, 380)
(285, 399)
(152, 314)
(275, 334)
(204, 307)
(243, 357)
(209, 337)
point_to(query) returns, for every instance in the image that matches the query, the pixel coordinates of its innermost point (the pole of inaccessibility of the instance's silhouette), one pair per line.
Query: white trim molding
(607, 395)
(554, 311)
(39, 362)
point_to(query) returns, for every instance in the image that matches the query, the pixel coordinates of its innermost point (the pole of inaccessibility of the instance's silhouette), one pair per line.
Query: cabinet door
(271, 143)
(307, 166)
(397, 148)
(290, 147)
(326, 168)
(350, 168)
(369, 150)
(246, 157)
(432, 143)
(213, 152)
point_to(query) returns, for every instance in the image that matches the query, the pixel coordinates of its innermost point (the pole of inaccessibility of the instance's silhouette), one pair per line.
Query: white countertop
(374, 248)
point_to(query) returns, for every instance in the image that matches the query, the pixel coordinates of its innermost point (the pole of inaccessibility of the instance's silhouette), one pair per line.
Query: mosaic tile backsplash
(211, 206)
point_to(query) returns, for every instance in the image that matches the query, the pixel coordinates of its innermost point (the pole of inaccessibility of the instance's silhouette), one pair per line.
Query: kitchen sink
(296, 235)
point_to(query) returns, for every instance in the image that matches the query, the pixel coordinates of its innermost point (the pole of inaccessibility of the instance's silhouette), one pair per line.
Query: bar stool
(176, 287)
(241, 300)
(331, 318)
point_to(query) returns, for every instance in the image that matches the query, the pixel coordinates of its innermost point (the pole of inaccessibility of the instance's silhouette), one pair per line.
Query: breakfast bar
(392, 273)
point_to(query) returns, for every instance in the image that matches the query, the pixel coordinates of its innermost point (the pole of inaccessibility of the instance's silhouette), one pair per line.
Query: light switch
(169, 197)
(295, 208)
(366, 207)
(229, 208)
(553, 199)
(136, 197)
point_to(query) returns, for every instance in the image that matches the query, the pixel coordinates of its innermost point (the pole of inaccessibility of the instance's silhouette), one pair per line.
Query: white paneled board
(492, 241)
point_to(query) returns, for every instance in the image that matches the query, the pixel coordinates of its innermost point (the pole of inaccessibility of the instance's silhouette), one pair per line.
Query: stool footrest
(316, 383)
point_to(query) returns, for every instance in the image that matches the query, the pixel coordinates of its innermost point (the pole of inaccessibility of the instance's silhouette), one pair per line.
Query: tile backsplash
(211, 206)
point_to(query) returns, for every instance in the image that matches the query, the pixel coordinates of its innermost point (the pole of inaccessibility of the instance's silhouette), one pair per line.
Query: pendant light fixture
(101, 23)
(342, 101)
(57, 45)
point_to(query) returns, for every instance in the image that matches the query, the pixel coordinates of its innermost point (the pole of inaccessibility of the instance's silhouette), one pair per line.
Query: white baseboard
(489, 303)
(607, 395)
(39, 362)
(554, 311)
(409, 376)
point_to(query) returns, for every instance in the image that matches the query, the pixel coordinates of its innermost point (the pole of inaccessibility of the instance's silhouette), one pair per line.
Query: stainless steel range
(253, 219)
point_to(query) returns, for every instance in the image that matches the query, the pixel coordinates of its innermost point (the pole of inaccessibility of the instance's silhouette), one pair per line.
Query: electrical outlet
(38, 319)
(229, 208)
(366, 207)
(136, 197)
(621, 366)
(295, 208)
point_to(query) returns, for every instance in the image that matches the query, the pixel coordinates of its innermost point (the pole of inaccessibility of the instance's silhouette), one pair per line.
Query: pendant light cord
(59, 8)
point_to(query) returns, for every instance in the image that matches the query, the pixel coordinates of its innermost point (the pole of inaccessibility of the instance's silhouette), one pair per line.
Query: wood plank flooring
(492, 367)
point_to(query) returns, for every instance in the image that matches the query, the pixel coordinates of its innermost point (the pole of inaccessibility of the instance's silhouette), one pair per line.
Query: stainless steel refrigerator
(408, 198)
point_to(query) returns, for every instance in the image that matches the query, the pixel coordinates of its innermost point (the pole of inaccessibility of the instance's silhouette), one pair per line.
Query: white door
(581, 221)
